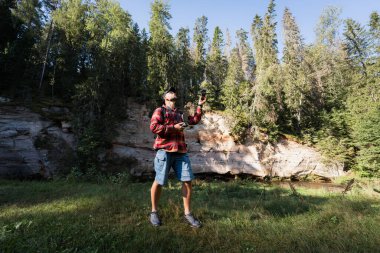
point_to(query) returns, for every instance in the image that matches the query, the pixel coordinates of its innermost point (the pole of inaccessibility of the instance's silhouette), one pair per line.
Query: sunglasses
(172, 99)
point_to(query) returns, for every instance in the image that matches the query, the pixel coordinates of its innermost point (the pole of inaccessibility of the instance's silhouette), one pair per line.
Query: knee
(187, 184)
(156, 186)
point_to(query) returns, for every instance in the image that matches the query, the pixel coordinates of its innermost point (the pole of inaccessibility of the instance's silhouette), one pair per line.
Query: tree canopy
(92, 56)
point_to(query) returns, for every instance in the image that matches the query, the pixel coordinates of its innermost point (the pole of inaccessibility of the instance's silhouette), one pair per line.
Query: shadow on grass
(234, 213)
(31, 193)
(219, 197)
(256, 197)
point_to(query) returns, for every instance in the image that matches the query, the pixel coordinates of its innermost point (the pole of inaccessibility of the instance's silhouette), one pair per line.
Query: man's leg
(185, 174)
(160, 166)
(155, 193)
(182, 167)
(186, 195)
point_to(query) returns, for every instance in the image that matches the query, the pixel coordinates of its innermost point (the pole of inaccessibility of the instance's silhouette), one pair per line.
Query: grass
(238, 216)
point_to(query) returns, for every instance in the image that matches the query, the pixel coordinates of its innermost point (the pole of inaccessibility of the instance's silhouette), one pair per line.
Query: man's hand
(180, 126)
(202, 101)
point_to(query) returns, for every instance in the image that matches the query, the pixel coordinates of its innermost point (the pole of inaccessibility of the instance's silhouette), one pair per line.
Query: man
(168, 123)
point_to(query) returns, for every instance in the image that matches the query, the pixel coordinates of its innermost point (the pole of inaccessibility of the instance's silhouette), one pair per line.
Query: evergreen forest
(91, 56)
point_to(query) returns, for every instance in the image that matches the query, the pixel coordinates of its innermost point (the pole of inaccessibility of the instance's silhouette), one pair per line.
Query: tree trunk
(50, 35)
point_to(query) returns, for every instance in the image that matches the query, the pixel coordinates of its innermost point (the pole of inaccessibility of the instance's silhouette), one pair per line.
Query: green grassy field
(238, 216)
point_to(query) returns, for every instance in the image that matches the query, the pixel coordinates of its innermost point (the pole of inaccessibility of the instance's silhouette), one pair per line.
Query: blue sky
(236, 14)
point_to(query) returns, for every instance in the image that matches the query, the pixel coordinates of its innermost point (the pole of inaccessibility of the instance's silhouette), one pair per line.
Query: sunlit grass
(238, 216)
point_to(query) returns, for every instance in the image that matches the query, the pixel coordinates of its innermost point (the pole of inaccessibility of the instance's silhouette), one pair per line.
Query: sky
(236, 14)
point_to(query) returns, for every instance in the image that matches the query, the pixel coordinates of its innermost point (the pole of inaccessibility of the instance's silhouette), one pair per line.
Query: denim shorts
(180, 162)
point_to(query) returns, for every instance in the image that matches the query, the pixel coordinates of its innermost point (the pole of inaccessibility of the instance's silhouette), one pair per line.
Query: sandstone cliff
(30, 143)
(212, 149)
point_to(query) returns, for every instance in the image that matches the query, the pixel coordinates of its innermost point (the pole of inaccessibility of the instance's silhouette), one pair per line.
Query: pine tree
(112, 44)
(364, 116)
(235, 76)
(184, 66)
(161, 48)
(199, 53)
(8, 31)
(7, 39)
(297, 89)
(327, 30)
(375, 24)
(331, 80)
(136, 64)
(227, 48)
(216, 68)
(267, 101)
(364, 99)
(246, 55)
(70, 19)
(98, 44)
(374, 30)
(357, 44)
(19, 49)
(236, 96)
(327, 64)
(69, 51)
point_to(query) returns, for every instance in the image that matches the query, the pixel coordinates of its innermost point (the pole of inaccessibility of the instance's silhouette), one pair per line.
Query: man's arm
(193, 120)
(157, 124)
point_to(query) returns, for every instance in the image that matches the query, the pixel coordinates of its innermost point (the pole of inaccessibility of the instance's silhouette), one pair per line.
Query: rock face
(212, 149)
(31, 145)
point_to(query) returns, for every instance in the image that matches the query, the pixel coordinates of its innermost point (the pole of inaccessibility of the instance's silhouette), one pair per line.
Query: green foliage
(236, 97)
(327, 60)
(333, 139)
(71, 18)
(246, 55)
(363, 100)
(94, 119)
(199, 54)
(365, 121)
(93, 175)
(6, 24)
(335, 150)
(231, 96)
(184, 67)
(327, 29)
(160, 53)
(97, 40)
(89, 145)
(297, 88)
(357, 45)
(22, 22)
(266, 103)
(216, 68)
(75, 175)
(95, 57)
(104, 53)
(239, 125)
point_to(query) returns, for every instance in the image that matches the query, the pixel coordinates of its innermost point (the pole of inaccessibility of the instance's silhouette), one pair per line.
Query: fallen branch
(294, 191)
(349, 186)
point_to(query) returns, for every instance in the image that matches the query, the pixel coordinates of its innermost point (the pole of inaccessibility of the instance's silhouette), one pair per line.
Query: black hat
(171, 89)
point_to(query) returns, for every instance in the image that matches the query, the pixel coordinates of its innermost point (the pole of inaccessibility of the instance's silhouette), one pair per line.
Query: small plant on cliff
(95, 118)
(239, 128)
